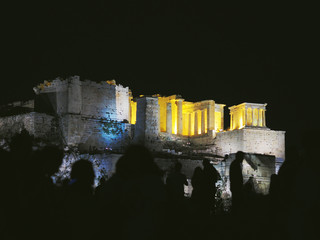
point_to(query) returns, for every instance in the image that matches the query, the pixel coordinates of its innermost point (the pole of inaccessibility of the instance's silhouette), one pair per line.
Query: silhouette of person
(80, 207)
(18, 161)
(175, 184)
(177, 208)
(236, 182)
(197, 183)
(211, 176)
(134, 198)
(39, 196)
(8, 200)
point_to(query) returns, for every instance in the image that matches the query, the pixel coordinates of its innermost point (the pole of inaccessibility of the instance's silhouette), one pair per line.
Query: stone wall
(123, 103)
(39, 125)
(254, 140)
(147, 127)
(89, 133)
(99, 100)
(91, 99)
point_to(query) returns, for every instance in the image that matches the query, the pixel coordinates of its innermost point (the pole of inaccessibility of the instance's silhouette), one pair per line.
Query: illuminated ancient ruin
(88, 115)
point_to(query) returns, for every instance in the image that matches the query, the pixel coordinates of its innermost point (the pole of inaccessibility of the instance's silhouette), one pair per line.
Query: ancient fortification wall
(259, 140)
(38, 124)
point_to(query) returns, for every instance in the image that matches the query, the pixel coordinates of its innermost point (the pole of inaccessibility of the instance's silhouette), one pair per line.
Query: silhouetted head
(197, 172)
(50, 159)
(239, 156)
(136, 161)
(82, 171)
(177, 167)
(205, 162)
(21, 144)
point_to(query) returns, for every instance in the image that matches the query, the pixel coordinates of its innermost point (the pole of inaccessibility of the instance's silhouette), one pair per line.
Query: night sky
(236, 54)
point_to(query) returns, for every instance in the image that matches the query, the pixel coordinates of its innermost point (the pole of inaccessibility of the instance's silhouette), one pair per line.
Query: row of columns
(206, 116)
(261, 117)
(249, 113)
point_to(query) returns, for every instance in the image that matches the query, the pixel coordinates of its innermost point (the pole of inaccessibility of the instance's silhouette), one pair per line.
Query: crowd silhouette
(135, 202)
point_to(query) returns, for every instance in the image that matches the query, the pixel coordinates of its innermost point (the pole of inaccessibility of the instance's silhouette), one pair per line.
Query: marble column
(196, 123)
(179, 116)
(210, 117)
(203, 121)
(169, 119)
(253, 117)
(192, 123)
(245, 117)
(189, 124)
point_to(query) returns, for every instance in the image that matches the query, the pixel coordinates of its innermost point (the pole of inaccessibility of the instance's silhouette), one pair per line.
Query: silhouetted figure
(80, 205)
(249, 191)
(304, 210)
(281, 192)
(39, 197)
(236, 182)
(175, 184)
(8, 197)
(211, 176)
(133, 199)
(197, 182)
(199, 216)
(15, 169)
(100, 186)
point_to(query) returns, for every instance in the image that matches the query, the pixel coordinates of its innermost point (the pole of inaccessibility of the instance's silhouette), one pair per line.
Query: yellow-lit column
(258, 120)
(174, 114)
(179, 116)
(245, 116)
(203, 122)
(192, 124)
(231, 121)
(253, 117)
(196, 123)
(210, 117)
(264, 118)
(169, 118)
(222, 119)
(189, 124)
(247, 122)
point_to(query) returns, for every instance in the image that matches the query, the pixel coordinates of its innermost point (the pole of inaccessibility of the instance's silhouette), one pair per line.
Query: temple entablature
(247, 115)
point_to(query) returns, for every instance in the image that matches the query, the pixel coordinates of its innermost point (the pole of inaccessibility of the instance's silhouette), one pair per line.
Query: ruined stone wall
(89, 133)
(123, 103)
(228, 142)
(39, 125)
(264, 141)
(99, 100)
(147, 127)
(254, 140)
(90, 113)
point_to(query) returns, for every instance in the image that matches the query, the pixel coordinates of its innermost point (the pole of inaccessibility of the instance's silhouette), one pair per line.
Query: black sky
(234, 54)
